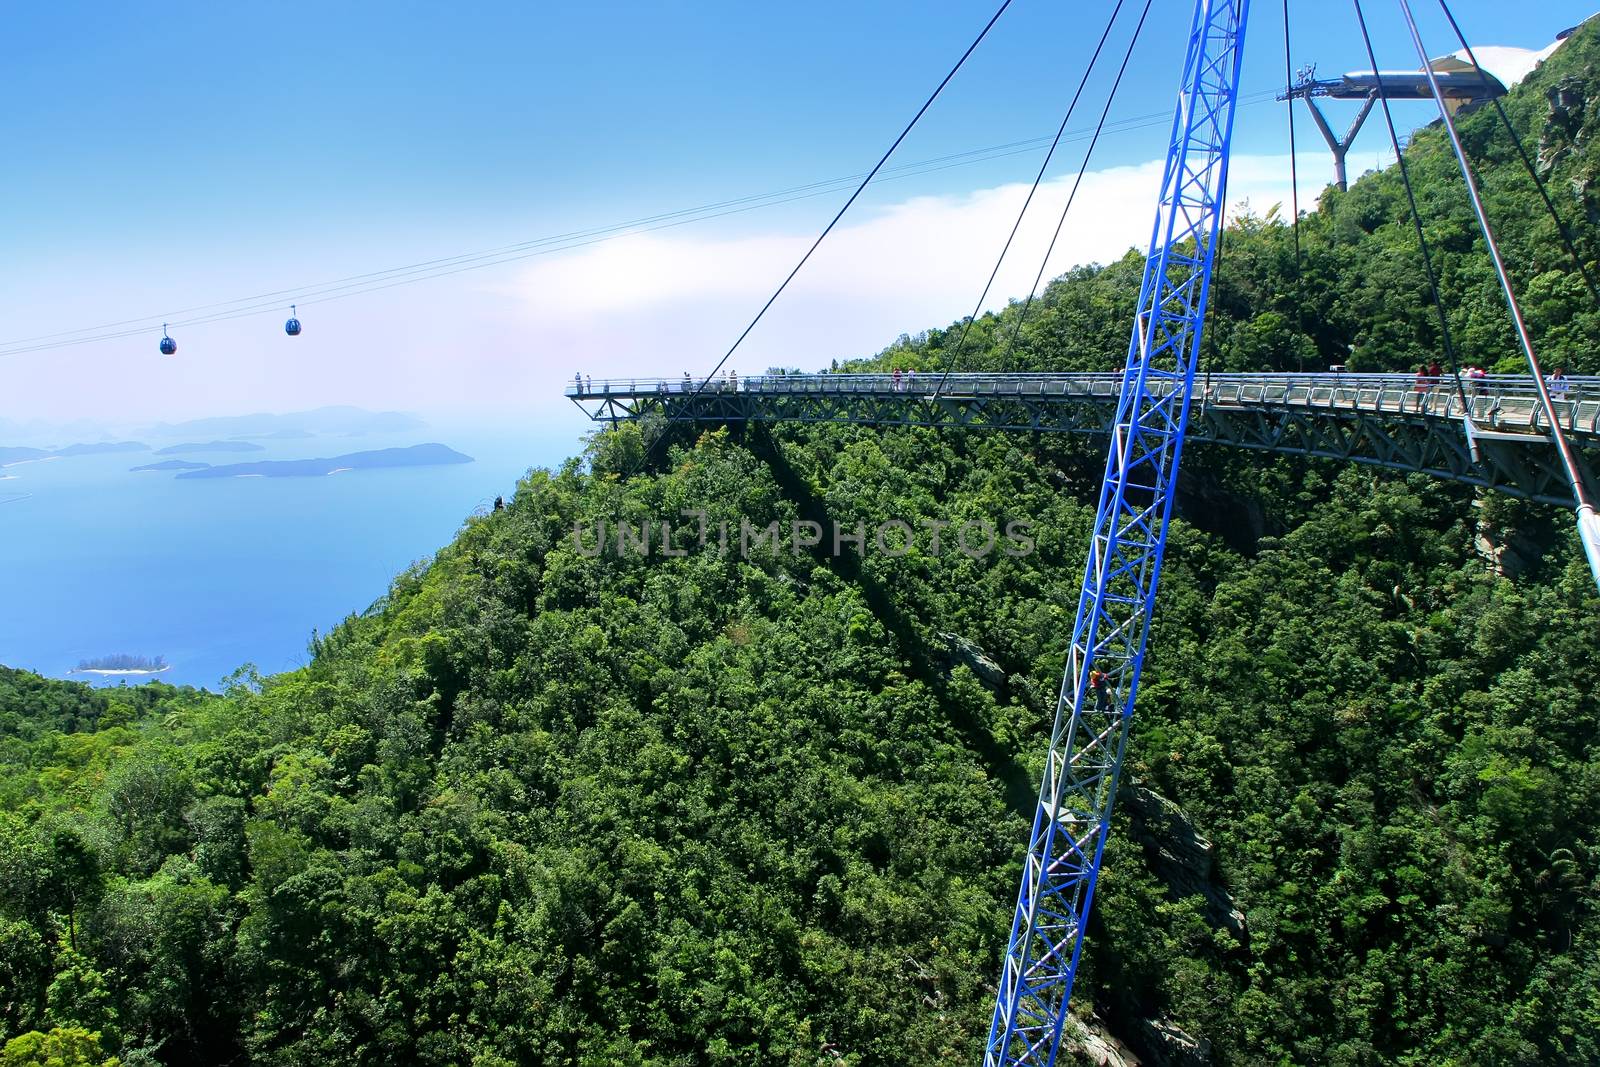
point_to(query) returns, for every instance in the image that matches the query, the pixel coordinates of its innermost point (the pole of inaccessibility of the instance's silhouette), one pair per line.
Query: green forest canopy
(538, 806)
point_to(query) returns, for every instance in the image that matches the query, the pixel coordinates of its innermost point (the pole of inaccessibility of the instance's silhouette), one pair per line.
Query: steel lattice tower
(1119, 584)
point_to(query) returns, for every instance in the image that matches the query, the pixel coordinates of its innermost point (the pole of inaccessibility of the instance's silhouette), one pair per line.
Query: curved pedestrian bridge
(1492, 433)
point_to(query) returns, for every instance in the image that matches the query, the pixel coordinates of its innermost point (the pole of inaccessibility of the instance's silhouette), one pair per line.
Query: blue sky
(165, 156)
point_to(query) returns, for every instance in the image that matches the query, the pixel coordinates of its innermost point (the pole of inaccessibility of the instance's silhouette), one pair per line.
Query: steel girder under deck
(1380, 420)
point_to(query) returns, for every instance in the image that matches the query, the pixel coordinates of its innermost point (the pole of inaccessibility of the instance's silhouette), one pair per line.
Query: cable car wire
(426, 270)
(1294, 182)
(571, 239)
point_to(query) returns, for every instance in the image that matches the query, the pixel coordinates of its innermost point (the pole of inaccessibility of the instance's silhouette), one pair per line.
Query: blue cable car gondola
(292, 327)
(168, 345)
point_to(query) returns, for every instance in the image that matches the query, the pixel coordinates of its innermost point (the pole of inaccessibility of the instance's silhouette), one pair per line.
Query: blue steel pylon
(1130, 533)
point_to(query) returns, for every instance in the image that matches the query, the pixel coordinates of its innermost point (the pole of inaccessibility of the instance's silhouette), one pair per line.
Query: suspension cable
(1416, 214)
(1527, 161)
(1563, 446)
(1294, 175)
(966, 326)
(1072, 194)
(926, 104)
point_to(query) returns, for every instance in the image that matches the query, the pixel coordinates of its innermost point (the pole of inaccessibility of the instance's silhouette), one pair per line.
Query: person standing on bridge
(896, 377)
(1558, 384)
(1100, 682)
(577, 381)
(1424, 383)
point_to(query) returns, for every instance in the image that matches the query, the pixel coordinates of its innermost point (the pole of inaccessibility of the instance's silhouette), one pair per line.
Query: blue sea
(213, 573)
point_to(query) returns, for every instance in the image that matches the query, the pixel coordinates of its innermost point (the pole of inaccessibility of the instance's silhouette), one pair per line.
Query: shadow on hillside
(924, 665)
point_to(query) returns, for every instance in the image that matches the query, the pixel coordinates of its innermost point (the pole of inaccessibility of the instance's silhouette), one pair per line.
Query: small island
(20, 454)
(171, 465)
(415, 456)
(121, 663)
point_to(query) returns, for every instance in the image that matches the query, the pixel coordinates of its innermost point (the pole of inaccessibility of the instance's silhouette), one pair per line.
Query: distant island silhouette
(415, 456)
(19, 454)
(211, 446)
(335, 421)
(171, 465)
(233, 433)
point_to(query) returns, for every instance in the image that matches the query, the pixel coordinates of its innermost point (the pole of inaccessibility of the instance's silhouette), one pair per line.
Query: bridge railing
(1511, 401)
(1495, 400)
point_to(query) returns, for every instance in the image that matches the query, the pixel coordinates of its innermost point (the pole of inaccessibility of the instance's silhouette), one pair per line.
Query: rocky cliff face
(1180, 855)
(1163, 1045)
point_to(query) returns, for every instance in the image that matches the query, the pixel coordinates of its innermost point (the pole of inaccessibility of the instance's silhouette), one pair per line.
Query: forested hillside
(1360, 295)
(548, 803)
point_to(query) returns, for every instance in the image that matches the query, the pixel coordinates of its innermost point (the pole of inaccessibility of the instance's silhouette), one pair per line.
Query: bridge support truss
(1496, 438)
(1101, 682)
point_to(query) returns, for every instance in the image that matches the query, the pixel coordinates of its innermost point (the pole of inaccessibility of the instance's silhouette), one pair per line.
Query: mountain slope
(559, 801)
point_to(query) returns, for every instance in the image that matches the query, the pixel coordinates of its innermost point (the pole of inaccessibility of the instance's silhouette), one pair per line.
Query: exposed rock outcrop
(959, 650)
(1096, 1045)
(1180, 855)
(1165, 1045)
(1168, 1046)
(1564, 126)
(1509, 553)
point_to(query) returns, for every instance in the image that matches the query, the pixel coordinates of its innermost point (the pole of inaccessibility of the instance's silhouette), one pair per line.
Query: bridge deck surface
(1491, 433)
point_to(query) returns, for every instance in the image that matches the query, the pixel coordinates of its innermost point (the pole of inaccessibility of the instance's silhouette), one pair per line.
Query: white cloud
(641, 305)
(654, 303)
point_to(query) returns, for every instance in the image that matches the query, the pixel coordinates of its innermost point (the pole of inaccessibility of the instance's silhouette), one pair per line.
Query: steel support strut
(1119, 586)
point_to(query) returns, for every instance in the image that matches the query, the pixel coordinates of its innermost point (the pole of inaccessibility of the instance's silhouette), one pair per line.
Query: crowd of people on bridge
(1430, 376)
(583, 384)
(902, 381)
(1473, 378)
